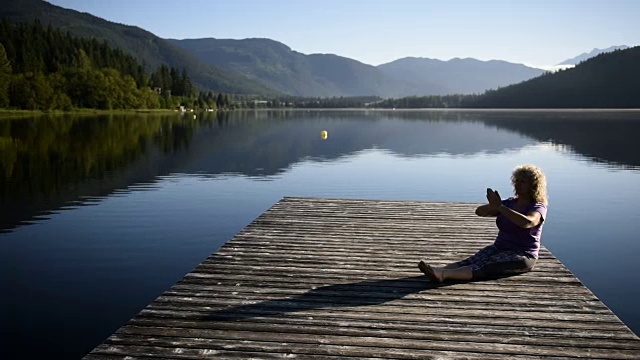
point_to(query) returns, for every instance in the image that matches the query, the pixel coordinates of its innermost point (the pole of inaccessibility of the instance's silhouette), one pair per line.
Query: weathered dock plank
(322, 278)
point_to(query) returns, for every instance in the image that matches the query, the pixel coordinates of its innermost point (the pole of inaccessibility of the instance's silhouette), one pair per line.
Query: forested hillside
(46, 69)
(609, 80)
(593, 53)
(150, 50)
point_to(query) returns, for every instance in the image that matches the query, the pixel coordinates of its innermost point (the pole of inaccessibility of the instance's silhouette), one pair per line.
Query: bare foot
(431, 273)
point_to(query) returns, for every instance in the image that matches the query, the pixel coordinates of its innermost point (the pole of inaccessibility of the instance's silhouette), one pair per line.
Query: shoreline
(6, 113)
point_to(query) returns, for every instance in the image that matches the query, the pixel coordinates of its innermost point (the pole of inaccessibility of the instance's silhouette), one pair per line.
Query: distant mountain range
(277, 66)
(456, 76)
(268, 67)
(584, 56)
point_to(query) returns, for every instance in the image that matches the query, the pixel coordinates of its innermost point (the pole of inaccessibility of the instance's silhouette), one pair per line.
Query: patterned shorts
(493, 262)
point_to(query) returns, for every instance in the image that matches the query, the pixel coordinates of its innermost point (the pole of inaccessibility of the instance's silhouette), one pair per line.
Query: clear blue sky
(538, 33)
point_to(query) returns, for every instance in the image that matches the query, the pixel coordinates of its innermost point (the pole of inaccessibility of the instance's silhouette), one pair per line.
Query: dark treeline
(337, 102)
(33, 48)
(609, 80)
(422, 102)
(46, 69)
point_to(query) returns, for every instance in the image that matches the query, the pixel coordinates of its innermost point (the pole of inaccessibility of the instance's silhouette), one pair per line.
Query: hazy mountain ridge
(458, 76)
(277, 66)
(595, 52)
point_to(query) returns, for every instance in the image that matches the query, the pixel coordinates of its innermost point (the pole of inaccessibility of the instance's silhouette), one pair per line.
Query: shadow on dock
(361, 293)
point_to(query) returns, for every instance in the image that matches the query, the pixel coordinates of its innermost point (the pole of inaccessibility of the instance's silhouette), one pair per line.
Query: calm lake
(101, 214)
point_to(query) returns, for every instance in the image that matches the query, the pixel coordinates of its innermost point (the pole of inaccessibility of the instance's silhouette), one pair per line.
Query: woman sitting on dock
(519, 220)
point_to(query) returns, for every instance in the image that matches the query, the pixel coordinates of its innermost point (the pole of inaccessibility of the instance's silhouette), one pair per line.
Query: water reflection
(49, 161)
(60, 162)
(275, 141)
(606, 137)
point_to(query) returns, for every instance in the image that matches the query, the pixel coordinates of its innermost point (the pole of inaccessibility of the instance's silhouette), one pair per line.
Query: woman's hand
(494, 199)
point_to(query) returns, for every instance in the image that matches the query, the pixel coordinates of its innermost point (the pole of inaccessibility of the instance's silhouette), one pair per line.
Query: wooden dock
(322, 278)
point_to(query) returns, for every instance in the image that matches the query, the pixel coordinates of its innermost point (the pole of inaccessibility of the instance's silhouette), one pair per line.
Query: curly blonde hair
(537, 181)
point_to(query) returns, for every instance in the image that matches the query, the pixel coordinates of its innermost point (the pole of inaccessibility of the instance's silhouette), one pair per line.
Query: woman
(519, 220)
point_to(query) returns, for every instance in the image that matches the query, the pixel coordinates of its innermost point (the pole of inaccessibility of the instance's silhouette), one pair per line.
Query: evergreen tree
(220, 101)
(201, 103)
(5, 76)
(187, 88)
(211, 100)
(82, 60)
(176, 86)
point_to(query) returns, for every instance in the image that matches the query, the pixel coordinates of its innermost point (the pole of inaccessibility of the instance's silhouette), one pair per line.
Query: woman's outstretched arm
(524, 221)
(485, 210)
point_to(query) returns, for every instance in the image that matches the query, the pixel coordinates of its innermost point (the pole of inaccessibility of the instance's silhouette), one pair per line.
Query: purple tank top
(512, 237)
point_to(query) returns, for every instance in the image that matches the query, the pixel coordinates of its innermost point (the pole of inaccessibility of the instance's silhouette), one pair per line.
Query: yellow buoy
(324, 134)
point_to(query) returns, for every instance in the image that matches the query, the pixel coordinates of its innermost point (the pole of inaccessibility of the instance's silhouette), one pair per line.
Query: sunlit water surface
(102, 214)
